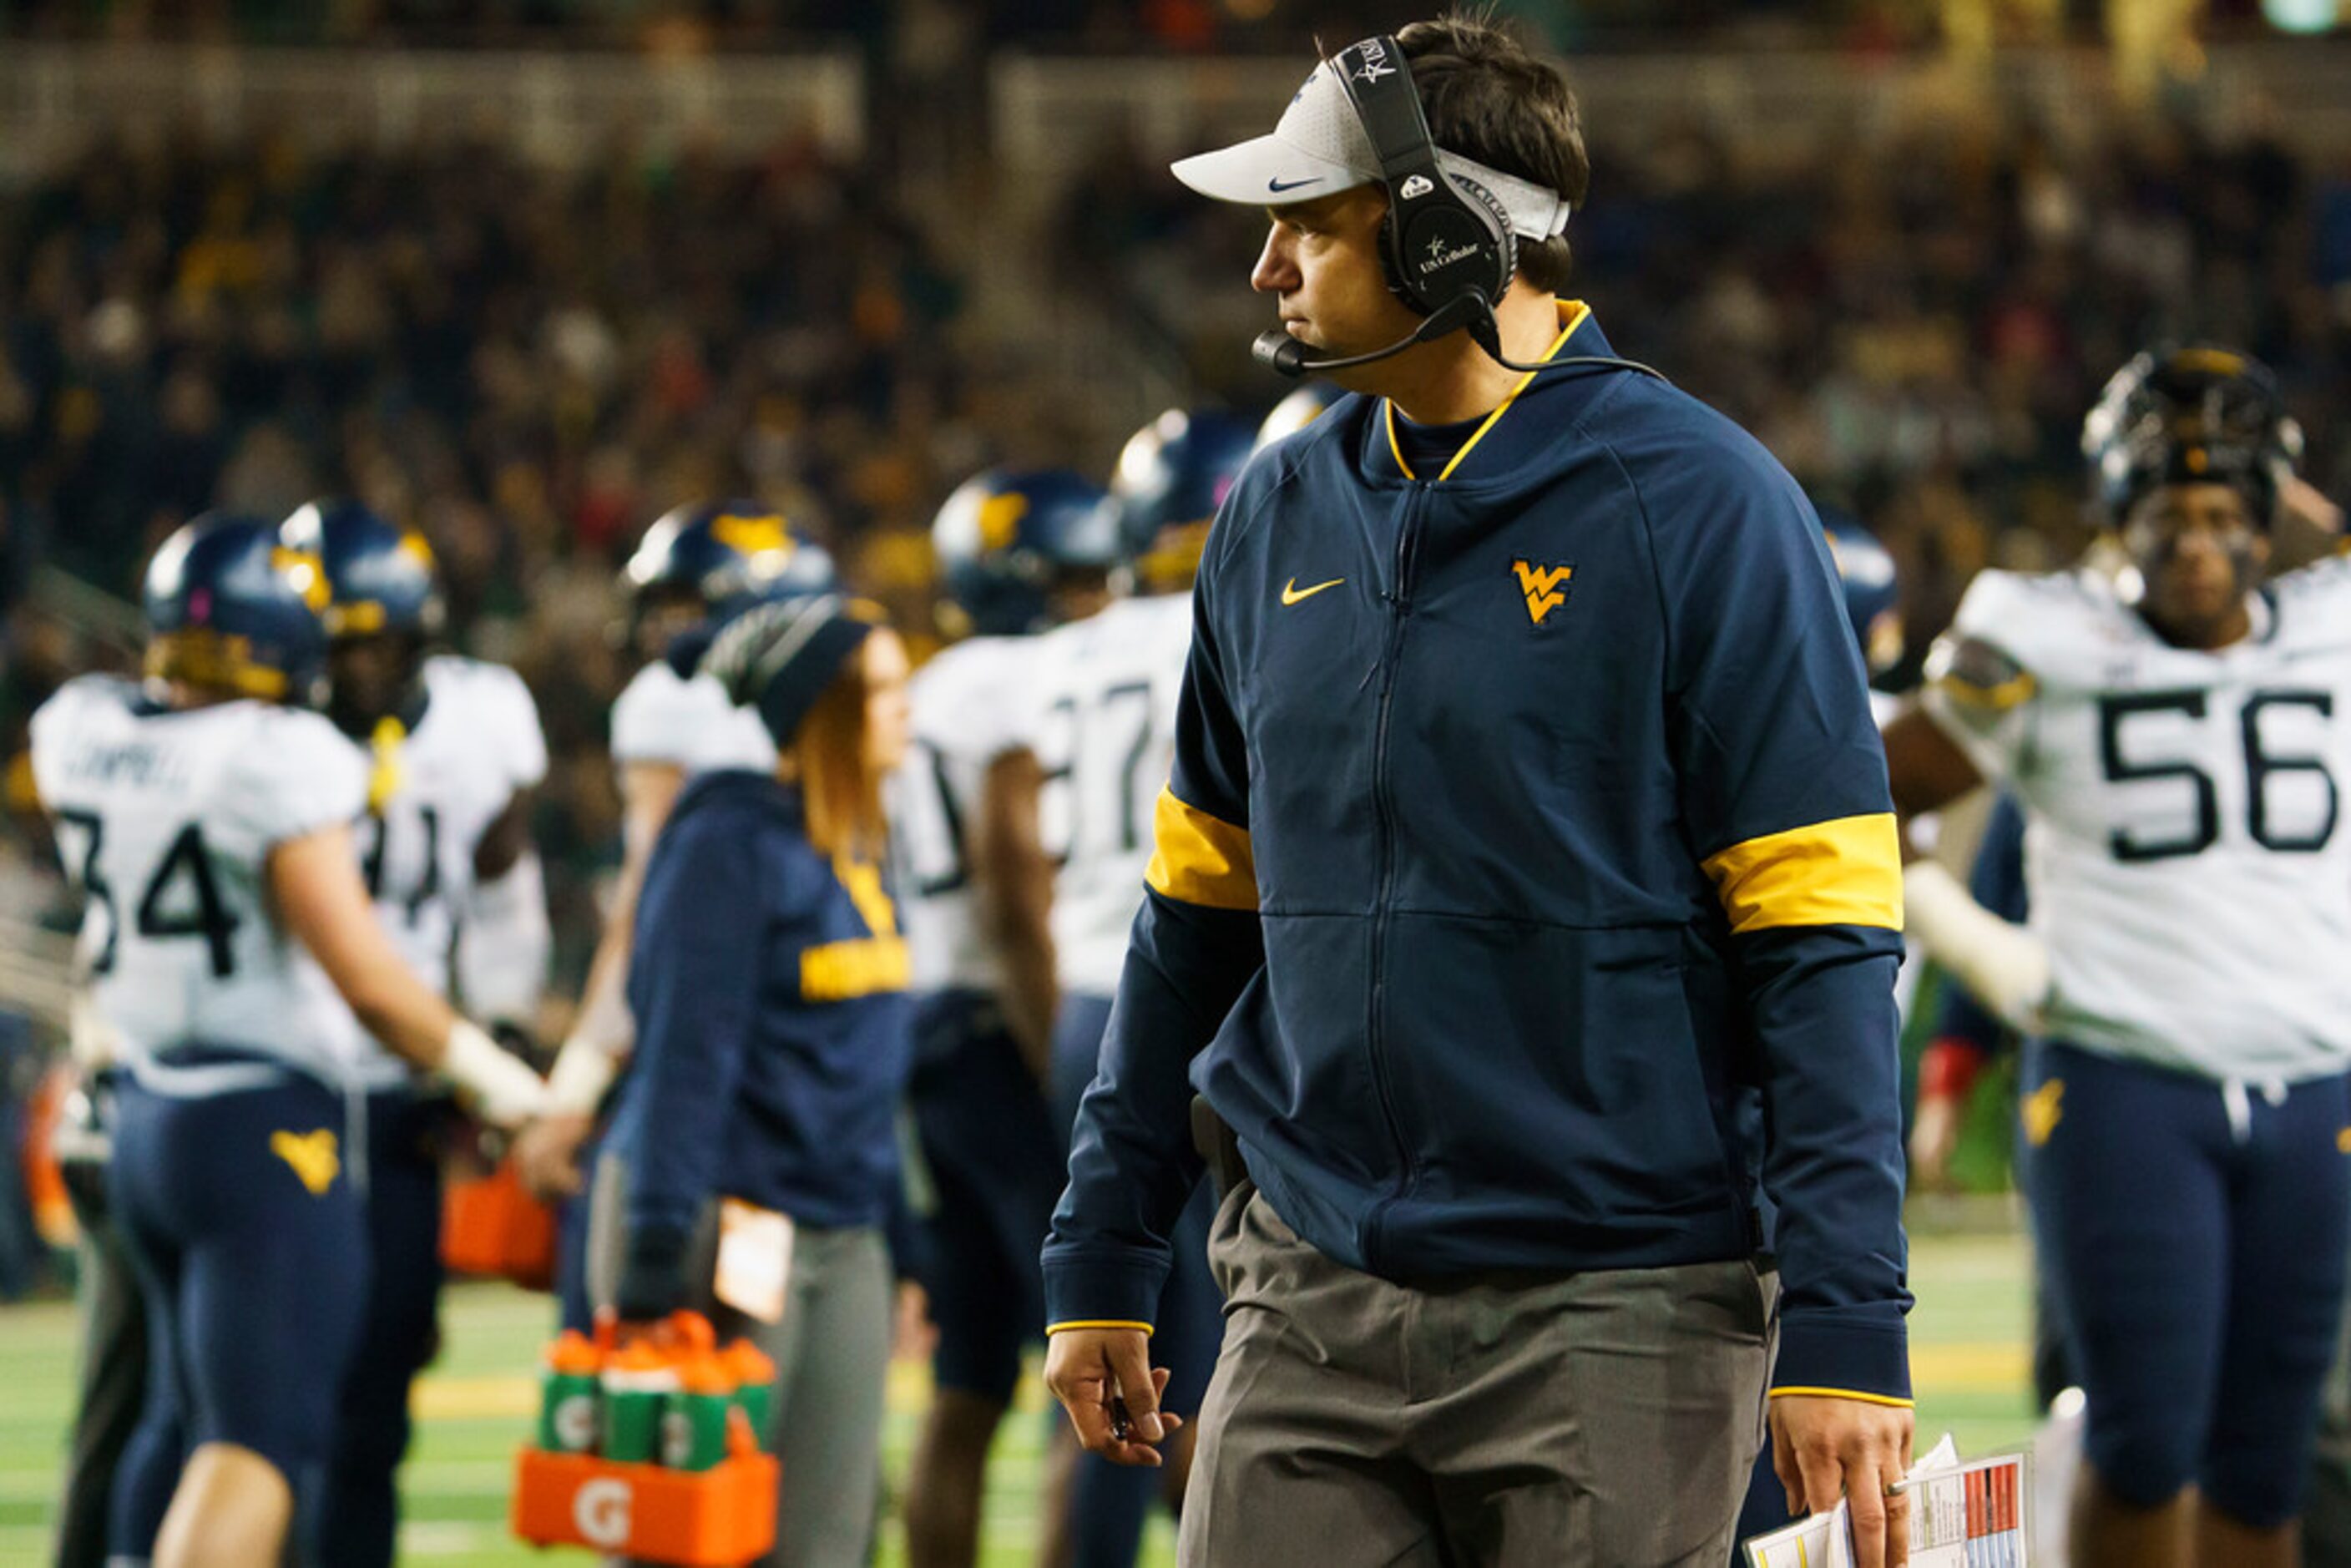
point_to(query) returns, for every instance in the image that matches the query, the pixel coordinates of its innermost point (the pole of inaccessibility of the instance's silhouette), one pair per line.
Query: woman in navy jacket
(752, 1159)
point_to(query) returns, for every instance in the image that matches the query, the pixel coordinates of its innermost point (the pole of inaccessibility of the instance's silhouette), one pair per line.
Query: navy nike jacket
(774, 1033)
(1522, 815)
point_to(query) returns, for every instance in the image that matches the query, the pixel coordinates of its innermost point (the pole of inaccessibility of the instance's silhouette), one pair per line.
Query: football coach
(1526, 817)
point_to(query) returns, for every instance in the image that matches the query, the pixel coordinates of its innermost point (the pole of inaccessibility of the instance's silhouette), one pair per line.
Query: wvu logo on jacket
(1544, 586)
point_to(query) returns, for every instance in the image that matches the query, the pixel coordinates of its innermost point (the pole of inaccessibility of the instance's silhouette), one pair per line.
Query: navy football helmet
(1004, 538)
(230, 608)
(1873, 597)
(1171, 477)
(384, 605)
(728, 554)
(2194, 415)
(380, 577)
(1299, 410)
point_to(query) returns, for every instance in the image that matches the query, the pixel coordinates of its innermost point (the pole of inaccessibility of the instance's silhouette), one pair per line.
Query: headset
(1445, 244)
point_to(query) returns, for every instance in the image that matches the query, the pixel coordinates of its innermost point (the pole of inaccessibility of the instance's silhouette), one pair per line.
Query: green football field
(1970, 1339)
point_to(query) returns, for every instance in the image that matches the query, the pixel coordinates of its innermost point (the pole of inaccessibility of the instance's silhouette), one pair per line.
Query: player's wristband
(583, 1071)
(1948, 1068)
(2002, 965)
(501, 1089)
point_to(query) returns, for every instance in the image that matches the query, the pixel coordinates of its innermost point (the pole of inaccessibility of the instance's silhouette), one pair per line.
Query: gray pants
(831, 1351)
(1604, 1420)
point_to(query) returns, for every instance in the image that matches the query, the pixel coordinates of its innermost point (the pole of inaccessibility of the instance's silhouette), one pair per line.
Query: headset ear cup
(1478, 199)
(1391, 263)
(1464, 219)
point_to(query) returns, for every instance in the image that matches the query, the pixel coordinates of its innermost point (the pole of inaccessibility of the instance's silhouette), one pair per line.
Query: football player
(454, 751)
(697, 565)
(1106, 735)
(2174, 734)
(1019, 552)
(206, 819)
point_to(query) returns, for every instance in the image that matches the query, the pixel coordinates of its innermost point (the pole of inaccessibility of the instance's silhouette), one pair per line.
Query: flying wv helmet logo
(1375, 57)
(1545, 587)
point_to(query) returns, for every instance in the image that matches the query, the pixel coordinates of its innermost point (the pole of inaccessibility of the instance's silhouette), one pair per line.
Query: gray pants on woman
(832, 1351)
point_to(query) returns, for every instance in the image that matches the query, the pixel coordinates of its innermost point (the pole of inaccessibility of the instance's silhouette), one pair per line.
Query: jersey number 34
(180, 899)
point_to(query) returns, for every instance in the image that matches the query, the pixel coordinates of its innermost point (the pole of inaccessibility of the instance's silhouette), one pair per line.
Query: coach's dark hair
(1488, 99)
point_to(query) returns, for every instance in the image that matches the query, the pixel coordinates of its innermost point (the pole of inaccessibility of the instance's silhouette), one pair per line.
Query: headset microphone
(1278, 351)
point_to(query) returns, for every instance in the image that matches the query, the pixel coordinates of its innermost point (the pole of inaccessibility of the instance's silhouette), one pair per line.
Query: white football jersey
(165, 820)
(1104, 725)
(477, 743)
(663, 718)
(968, 705)
(2186, 855)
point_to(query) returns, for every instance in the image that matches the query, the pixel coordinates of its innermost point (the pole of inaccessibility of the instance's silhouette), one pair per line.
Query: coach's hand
(1823, 1449)
(1085, 1368)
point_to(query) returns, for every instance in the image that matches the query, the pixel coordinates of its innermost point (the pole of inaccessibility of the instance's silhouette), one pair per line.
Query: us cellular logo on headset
(1438, 257)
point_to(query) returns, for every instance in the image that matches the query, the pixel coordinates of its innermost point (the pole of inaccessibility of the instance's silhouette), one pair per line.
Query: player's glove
(2002, 965)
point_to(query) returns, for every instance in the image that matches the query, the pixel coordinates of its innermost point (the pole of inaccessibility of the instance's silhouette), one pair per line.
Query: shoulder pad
(1979, 673)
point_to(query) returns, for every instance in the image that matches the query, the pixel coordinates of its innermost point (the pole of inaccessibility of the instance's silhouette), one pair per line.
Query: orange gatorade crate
(608, 1407)
(491, 1226)
(719, 1518)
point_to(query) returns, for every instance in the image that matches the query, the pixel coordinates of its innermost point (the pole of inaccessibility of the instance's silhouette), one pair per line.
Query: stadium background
(526, 273)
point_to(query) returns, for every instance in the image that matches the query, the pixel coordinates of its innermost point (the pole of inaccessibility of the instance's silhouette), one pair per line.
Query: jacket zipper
(1399, 604)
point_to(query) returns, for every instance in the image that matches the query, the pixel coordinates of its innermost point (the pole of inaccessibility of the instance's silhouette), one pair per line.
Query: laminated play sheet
(1970, 1513)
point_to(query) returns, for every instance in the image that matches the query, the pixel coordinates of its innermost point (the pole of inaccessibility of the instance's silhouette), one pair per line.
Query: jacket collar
(1506, 437)
(743, 788)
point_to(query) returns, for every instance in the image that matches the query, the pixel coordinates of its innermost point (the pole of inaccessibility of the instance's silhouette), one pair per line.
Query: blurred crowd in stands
(1124, 25)
(532, 366)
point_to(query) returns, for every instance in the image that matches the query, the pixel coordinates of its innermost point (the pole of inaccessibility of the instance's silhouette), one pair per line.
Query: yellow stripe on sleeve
(1199, 859)
(1846, 1394)
(2000, 697)
(1052, 1329)
(1842, 872)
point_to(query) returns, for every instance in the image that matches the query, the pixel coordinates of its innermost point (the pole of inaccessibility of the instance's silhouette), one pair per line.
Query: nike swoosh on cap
(1292, 185)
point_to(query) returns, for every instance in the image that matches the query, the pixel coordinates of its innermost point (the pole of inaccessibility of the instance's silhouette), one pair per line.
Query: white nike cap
(1320, 147)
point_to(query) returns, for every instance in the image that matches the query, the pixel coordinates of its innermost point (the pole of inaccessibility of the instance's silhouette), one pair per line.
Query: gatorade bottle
(691, 1332)
(755, 1385)
(693, 1427)
(570, 1395)
(638, 1381)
